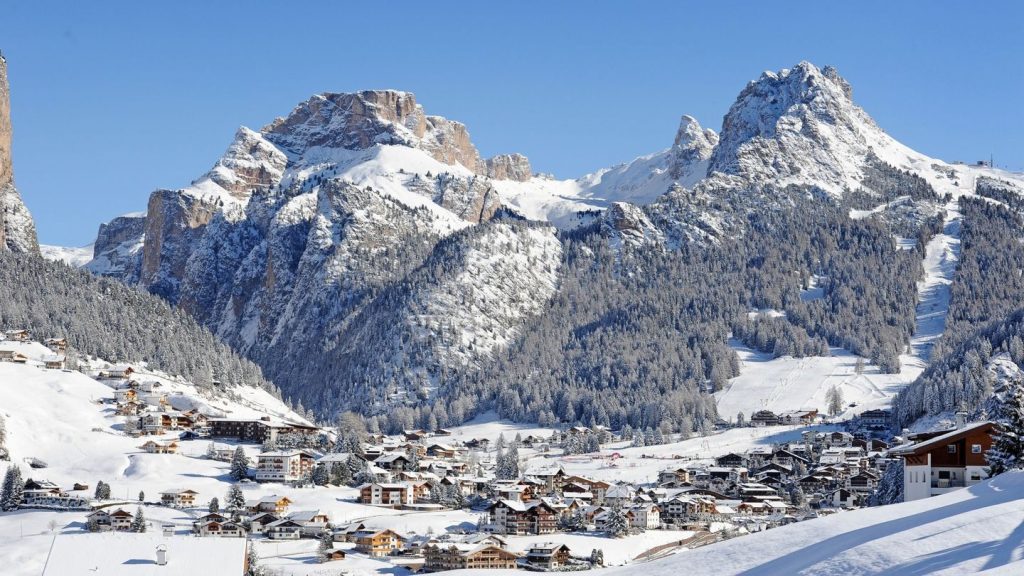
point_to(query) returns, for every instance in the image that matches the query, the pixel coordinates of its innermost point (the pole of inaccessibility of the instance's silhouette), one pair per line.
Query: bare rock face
(250, 163)
(629, 225)
(359, 120)
(509, 167)
(17, 230)
(117, 251)
(174, 224)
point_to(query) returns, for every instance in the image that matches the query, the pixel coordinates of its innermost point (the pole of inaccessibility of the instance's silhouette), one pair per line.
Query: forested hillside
(104, 318)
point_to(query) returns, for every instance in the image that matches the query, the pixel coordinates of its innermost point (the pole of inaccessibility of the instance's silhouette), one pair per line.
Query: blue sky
(113, 100)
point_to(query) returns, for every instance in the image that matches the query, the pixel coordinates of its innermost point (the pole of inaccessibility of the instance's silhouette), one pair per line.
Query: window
(951, 448)
(975, 448)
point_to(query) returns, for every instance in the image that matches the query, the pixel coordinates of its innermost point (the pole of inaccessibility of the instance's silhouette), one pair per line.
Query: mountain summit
(17, 230)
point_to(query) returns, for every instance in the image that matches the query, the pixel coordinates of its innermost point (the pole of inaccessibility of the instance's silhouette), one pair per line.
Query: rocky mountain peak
(360, 120)
(796, 125)
(17, 230)
(691, 150)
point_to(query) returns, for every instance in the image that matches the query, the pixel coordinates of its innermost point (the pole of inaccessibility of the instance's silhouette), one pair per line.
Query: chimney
(161, 555)
(961, 419)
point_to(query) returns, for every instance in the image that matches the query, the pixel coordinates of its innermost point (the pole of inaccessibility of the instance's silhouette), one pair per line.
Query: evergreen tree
(139, 521)
(341, 475)
(239, 465)
(616, 524)
(321, 476)
(211, 451)
(1007, 451)
(255, 568)
(597, 557)
(235, 499)
(142, 496)
(325, 546)
(214, 505)
(102, 491)
(12, 494)
(364, 476)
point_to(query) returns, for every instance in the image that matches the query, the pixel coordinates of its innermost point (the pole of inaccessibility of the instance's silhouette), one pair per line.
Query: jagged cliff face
(797, 126)
(302, 228)
(17, 230)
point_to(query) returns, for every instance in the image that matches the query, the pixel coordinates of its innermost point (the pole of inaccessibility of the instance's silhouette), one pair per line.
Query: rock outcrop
(509, 167)
(17, 230)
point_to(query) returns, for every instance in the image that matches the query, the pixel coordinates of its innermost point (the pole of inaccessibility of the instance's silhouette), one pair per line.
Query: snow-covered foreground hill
(972, 531)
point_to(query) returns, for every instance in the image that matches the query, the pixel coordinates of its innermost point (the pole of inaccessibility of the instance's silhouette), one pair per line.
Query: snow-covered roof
(130, 554)
(942, 439)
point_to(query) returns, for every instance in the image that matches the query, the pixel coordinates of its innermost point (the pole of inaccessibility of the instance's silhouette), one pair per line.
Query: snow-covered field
(976, 530)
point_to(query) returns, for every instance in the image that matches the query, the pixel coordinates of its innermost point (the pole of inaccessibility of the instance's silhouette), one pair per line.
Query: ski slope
(787, 383)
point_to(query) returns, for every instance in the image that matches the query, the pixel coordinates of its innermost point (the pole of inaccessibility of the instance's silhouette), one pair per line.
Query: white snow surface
(977, 530)
(74, 257)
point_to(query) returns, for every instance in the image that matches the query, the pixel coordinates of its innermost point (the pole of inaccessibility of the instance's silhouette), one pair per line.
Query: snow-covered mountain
(17, 230)
(359, 224)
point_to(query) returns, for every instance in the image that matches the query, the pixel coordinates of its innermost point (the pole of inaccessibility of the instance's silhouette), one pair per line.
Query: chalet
(393, 462)
(178, 498)
(764, 418)
(549, 556)
(259, 522)
(441, 451)
(378, 543)
(58, 345)
(18, 335)
(414, 435)
(313, 522)
(732, 460)
(100, 519)
(646, 516)
(122, 395)
(677, 475)
(876, 419)
(794, 417)
(463, 556)
(284, 529)
(515, 517)
(862, 483)
(284, 466)
(381, 494)
(121, 519)
(274, 504)
(154, 447)
(842, 498)
(347, 533)
(53, 361)
(945, 462)
(117, 372)
(221, 529)
(333, 555)
(13, 356)
(259, 431)
(477, 443)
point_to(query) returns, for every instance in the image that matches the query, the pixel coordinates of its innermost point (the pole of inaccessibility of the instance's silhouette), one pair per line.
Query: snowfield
(972, 531)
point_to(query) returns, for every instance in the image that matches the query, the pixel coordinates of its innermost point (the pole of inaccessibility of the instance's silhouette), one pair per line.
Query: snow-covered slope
(76, 257)
(972, 531)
